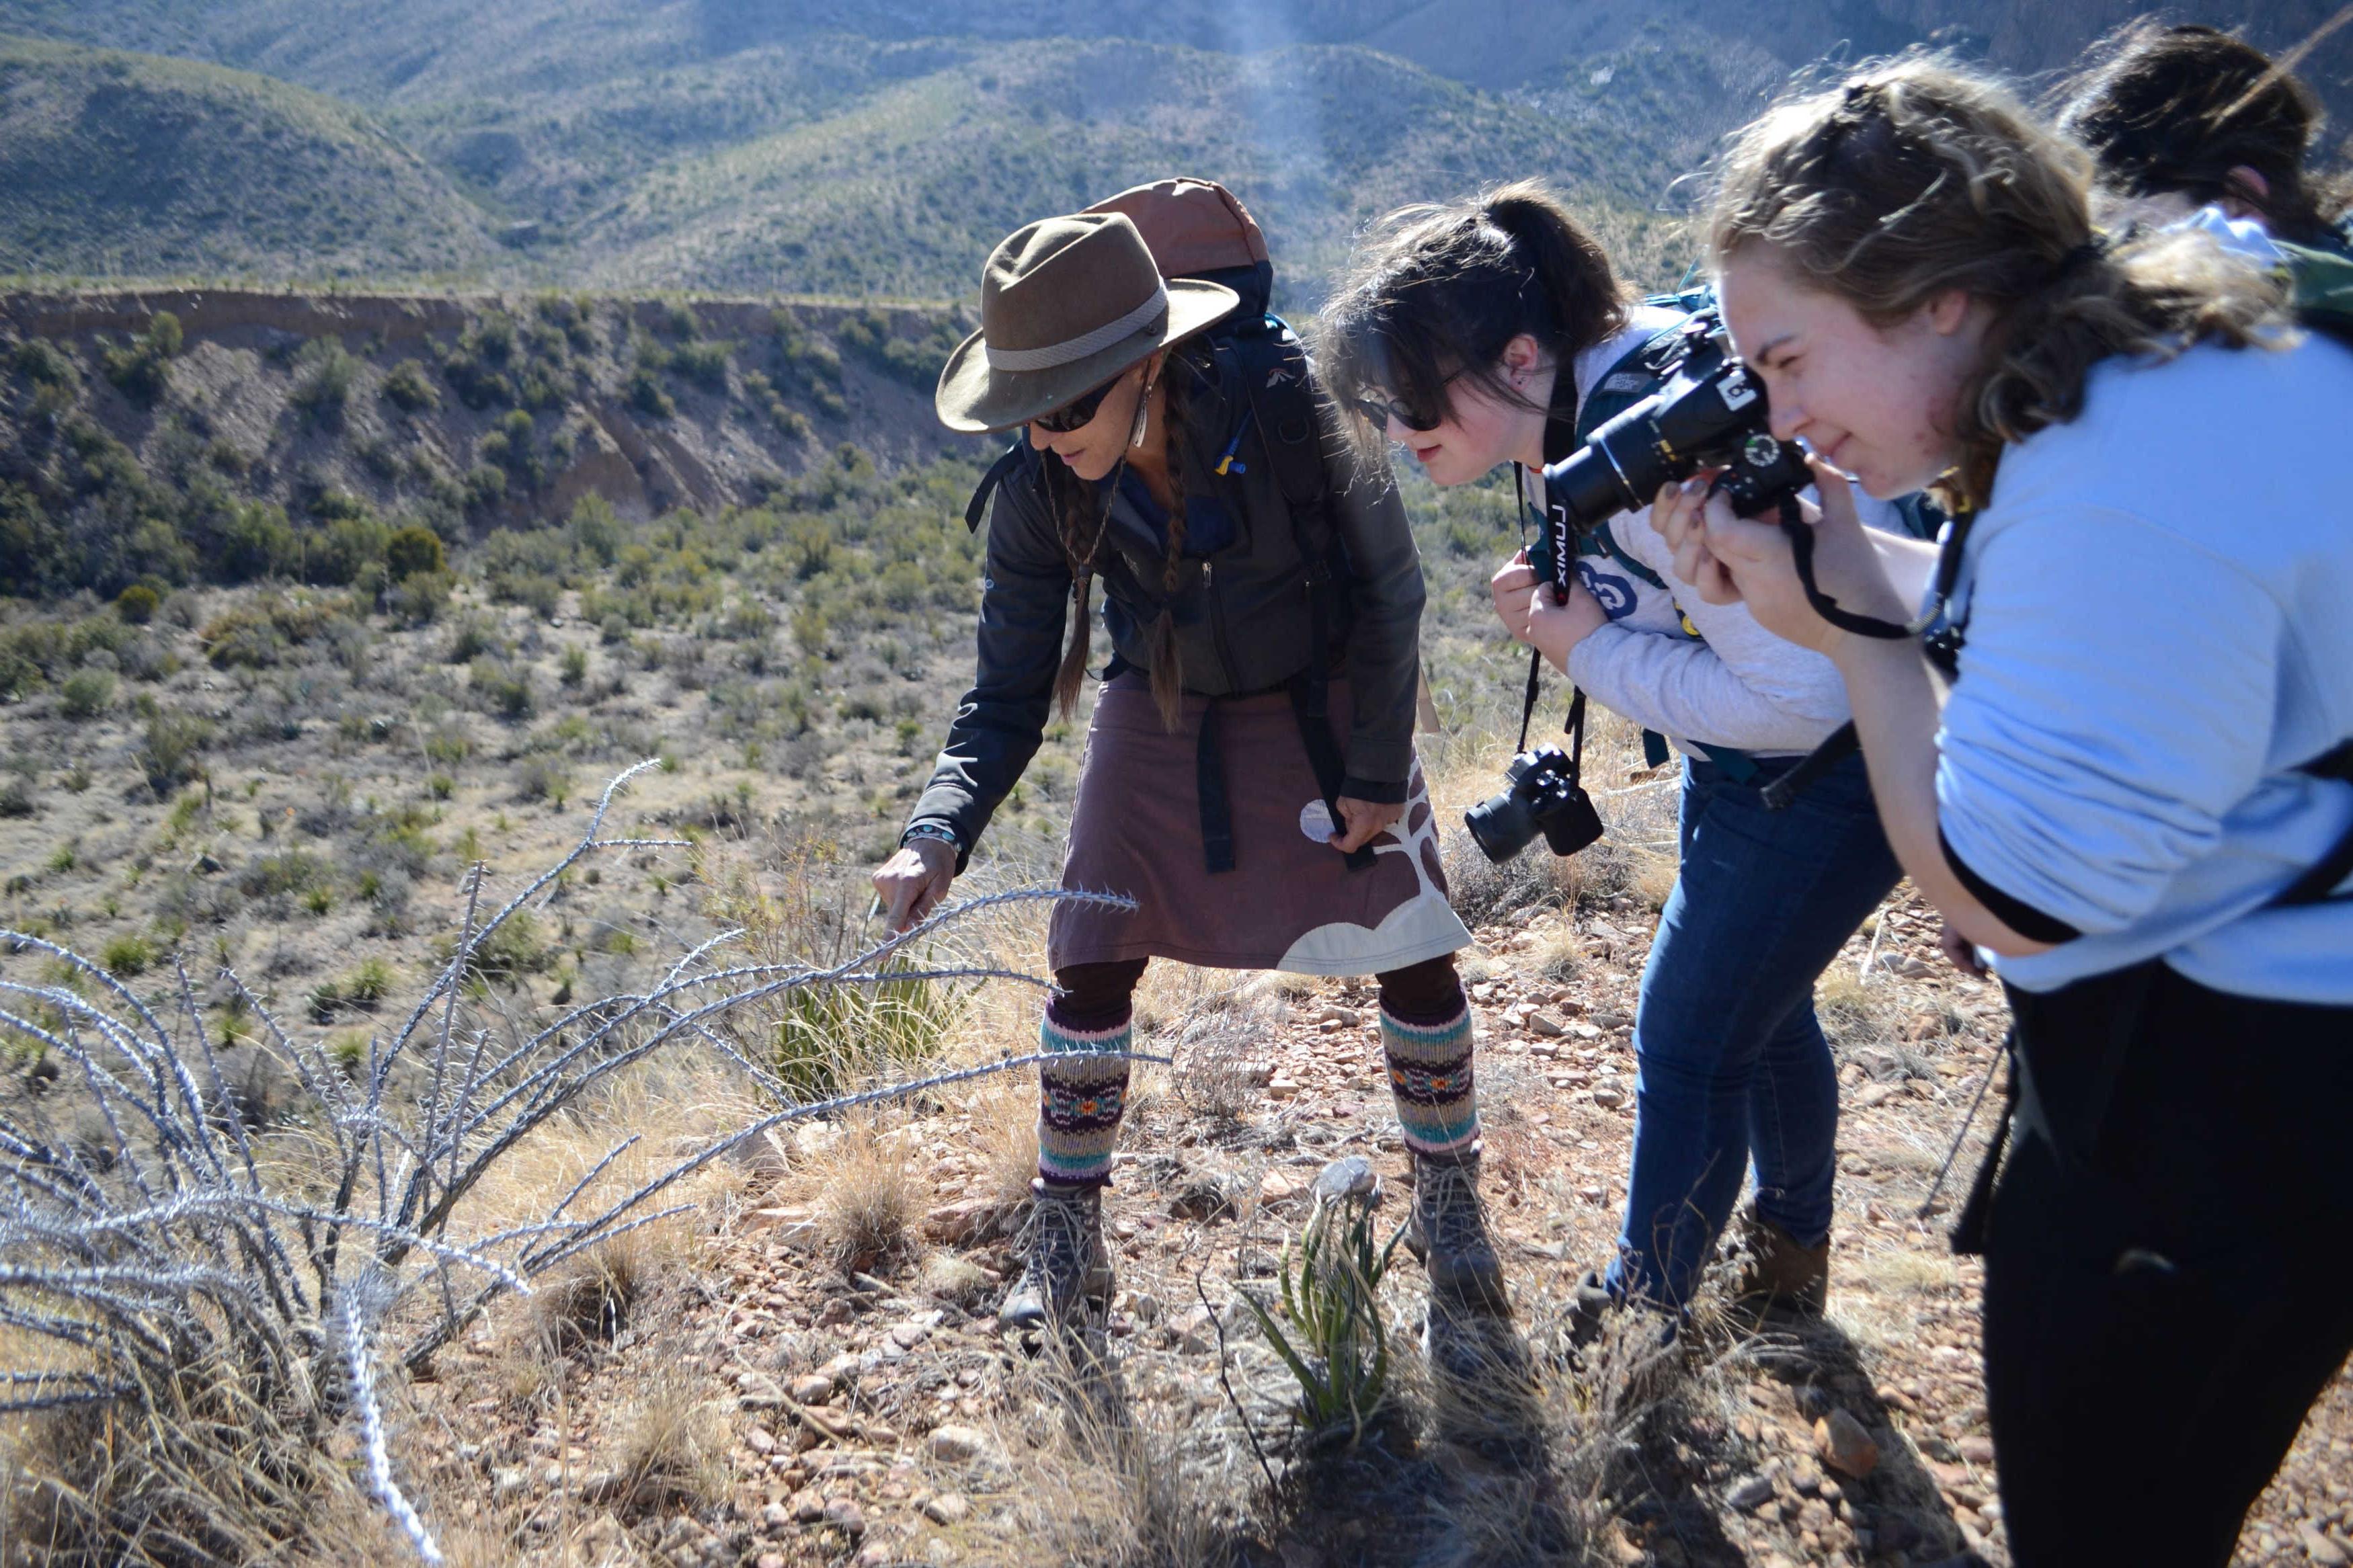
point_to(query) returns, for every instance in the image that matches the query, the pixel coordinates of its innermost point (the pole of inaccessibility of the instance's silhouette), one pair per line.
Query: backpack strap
(1273, 371)
(998, 472)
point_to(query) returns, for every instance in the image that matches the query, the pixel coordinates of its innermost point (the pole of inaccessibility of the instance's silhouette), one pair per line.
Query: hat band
(1072, 351)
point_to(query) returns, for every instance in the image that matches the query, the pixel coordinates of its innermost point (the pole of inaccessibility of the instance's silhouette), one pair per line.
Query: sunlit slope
(136, 166)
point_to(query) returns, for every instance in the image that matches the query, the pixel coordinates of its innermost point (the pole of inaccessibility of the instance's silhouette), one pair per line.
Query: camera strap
(1574, 728)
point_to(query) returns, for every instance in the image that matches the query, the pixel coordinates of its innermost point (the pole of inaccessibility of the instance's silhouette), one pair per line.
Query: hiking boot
(1447, 1231)
(1775, 1273)
(1589, 1310)
(1066, 1263)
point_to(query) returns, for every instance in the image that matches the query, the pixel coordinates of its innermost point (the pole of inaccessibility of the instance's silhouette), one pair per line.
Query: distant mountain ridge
(838, 148)
(116, 164)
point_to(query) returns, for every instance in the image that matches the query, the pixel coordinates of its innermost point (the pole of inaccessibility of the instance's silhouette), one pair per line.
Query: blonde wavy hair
(1914, 176)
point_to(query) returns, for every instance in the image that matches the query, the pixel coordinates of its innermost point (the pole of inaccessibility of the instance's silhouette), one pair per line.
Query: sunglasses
(1079, 412)
(1381, 411)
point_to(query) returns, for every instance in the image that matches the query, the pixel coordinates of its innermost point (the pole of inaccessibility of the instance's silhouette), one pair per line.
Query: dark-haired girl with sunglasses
(1250, 775)
(1475, 334)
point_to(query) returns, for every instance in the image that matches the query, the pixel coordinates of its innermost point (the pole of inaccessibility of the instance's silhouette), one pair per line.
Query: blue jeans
(1731, 1060)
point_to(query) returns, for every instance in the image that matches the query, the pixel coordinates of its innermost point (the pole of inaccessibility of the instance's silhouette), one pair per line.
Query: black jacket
(1242, 614)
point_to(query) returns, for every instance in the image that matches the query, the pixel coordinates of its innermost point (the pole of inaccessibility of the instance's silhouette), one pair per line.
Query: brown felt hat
(1066, 304)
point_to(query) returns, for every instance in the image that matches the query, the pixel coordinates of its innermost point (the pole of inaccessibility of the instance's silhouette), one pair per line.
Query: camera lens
(1506, 823)
(1501, 825)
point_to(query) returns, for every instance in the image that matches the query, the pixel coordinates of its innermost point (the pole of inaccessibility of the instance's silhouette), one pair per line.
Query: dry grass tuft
(672, 1452)
(1094, 1481)
(592, 1303)
(862, 1196)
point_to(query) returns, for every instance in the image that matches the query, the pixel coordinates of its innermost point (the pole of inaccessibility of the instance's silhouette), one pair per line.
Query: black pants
(2167, 1284)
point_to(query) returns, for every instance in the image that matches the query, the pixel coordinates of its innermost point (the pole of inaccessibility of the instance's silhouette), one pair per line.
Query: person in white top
(2136, 798)
(1477, 334)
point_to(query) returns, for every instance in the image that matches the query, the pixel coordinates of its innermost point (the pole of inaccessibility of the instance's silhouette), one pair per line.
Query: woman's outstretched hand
(1735, 560)
(912, 883)
(1532, 616)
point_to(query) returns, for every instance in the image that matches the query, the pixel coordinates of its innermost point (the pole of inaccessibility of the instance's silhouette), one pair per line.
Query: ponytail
(1435, 292)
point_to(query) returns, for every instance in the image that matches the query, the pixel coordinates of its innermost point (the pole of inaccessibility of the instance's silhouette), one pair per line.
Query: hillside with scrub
(119, 164)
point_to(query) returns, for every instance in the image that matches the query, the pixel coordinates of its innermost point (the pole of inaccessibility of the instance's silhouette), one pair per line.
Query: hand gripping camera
(1711, 413)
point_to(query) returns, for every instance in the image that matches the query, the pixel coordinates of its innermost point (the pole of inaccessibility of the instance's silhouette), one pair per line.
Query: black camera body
(1711, 413)
(1541, 794)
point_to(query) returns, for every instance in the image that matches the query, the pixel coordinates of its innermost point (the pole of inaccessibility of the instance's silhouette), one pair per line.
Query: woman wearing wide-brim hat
(1254, 789)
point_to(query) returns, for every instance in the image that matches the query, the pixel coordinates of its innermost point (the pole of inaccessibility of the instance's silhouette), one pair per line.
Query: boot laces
(1064, 1234)
(1446, 1202)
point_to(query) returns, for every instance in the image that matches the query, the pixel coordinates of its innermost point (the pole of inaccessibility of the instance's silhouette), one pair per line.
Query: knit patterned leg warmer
(1080, 1097)
(1430, 1077)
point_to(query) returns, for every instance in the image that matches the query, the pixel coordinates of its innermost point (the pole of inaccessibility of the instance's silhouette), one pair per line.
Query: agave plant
(1336, 1343)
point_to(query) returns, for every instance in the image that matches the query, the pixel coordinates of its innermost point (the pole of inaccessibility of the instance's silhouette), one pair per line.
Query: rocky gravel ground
(759, 1403)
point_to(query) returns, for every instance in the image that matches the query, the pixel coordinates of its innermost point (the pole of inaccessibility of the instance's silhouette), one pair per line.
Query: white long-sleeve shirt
(1671, 661)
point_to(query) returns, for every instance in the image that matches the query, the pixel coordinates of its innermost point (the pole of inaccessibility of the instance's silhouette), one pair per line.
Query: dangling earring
(1142, 413)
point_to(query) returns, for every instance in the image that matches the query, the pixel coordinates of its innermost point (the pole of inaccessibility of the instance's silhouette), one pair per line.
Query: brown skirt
(1290, 901)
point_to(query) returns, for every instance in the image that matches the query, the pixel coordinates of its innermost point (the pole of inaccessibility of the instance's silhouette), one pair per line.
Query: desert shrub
(137, 604)
(646, 396)
(256, 542)
(287, 872)
(410, 389)
(86, 693)
(912, 360)
(419, 599)
(324, 374)
(501, 689)
(45, 365)
(703, 363)
(413, 551)
(543, 777)
(142, 368)
(170, 754)
(128, 955)
(16, 797)
(261, 632)
(340, 554)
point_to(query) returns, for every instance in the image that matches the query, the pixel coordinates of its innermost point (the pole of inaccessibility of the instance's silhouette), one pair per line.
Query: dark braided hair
(1083, 516)
(2176, 110)
(1167, 665)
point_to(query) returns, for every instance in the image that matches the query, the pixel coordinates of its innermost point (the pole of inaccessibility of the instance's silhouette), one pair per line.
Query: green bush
(257, 542)
(290, 871)
(44, 364)
(412, 550)
(646, 396)
(127, 956)
(507, 954)
(258, 633)
(169, 753)
(86, 693)
(501, 689)
(410, 389)
(143, 367)
(325, 371)
(138, 603)
(703, 363)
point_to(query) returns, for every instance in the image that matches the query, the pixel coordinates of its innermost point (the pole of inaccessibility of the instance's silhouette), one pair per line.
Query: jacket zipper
(1217, 624)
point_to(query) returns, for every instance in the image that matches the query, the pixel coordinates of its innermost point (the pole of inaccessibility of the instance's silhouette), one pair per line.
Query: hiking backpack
(1198, 230)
